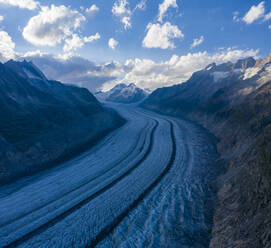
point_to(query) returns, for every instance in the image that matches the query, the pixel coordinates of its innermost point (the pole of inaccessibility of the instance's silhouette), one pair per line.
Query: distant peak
(225, 67)
(25, 69)
(245, 63)
(11, 61)
(121, 85)
(28, 62)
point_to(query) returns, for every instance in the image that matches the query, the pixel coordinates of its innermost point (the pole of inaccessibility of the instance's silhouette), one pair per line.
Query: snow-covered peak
(242, 69)
(261, 69)
(123, 93)
(118, 87)
(244, 64)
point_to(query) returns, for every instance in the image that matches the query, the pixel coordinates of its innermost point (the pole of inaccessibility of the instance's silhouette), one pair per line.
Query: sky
(152, 43)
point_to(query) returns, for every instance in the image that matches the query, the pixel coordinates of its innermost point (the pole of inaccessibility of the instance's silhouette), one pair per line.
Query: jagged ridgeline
(233, 101)
(43, 122)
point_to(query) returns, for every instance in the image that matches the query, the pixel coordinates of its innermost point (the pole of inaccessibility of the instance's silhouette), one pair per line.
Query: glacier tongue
(78, 202)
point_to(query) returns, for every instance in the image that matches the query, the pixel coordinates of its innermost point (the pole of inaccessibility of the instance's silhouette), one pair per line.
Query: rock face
(43, 122)
(123, 93)
(233, 101)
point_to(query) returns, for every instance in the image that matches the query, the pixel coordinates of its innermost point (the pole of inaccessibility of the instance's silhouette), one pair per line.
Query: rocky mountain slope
(233, 101)
(123, 93)
(43, 122)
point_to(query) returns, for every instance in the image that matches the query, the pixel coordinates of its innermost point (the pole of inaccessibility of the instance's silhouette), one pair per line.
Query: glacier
(146, 184)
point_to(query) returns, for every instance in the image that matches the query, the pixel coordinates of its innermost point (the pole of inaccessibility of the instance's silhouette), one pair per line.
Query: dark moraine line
(84, 183)
(110, 227)
(58, 218)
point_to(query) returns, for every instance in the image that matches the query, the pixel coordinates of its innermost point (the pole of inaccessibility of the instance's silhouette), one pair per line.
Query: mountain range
(43, 122)
(123, 93)
(232, 101)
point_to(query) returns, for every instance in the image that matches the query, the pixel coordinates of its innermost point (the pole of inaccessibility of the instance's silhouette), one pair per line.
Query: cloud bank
(92, 10)
(77, 42)
(145, 73)
(112, 43)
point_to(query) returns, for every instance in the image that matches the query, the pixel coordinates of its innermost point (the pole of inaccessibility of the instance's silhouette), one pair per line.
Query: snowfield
(144, 185)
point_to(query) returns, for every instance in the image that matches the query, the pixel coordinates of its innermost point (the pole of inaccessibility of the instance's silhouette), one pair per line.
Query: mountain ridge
(43, 122)
(236, 109)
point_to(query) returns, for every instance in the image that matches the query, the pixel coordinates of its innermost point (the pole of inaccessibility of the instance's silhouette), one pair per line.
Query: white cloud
(163, 7)
(6, 46)
(267, 16)
(126, 20)
(112, 43)
(23, 4)
(255, 13)
(92, 38)
(121, 9)
(160, 36)
(141, 5)
(1, 18)
(52, 25)
(197, 42)
(66, 56)
(73, 43)
(269, 26)
(77, 42)
(92, 10)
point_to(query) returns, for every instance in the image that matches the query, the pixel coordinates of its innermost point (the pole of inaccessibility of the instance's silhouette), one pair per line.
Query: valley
(145, 182)
(135, 124)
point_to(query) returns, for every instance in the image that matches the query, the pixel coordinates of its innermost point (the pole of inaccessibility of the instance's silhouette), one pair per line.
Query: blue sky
(140, 31)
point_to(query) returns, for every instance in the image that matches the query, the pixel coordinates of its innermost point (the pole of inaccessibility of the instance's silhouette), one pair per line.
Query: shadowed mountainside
(43, 122)
(233, 101)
